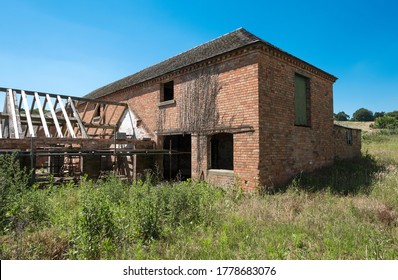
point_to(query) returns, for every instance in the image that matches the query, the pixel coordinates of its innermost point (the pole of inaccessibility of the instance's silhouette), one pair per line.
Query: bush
(386, 121)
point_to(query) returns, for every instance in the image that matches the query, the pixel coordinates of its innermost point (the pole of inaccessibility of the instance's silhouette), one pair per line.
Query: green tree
(363, 115)
(393, 114)
(378, 114)
(341, 116)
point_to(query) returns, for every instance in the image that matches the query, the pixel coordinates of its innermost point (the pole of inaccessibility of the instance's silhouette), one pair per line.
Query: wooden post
(32, 161)
(170, 160)
(134, 164)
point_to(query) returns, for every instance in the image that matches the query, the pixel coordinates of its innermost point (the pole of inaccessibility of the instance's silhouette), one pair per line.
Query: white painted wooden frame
(68, 123)
(13, 113)
(42, 117)
(77, 117)
(54, 116)
(27, 113)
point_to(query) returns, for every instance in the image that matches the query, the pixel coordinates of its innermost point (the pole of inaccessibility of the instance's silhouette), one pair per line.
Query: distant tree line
(381, 119)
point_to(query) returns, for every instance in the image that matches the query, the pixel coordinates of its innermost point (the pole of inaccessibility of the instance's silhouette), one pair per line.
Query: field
(348, 211)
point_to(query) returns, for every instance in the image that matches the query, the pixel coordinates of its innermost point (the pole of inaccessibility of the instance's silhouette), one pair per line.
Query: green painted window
(302, 100)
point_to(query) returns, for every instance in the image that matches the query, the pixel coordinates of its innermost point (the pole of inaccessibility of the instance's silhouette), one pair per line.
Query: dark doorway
(178, 164)
(222, 151)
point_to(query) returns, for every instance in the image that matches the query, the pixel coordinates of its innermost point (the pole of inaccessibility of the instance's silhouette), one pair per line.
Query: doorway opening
(177, 164)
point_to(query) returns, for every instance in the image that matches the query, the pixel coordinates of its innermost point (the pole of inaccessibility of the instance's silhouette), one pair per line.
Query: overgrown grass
(348, 211)
(382, 145)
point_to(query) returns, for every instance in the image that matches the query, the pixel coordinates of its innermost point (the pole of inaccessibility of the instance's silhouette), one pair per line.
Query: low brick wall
(347, 142)
(220, 177)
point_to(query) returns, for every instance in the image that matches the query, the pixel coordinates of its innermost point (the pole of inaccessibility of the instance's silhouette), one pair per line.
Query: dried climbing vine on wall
(197, 110)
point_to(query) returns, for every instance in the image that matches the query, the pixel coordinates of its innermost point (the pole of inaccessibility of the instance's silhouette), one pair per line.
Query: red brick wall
(238, 102)
(142, 100)
(344, 149)
(286, 149)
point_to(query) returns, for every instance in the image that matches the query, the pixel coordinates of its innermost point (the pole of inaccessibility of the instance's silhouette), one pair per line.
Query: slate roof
(226, 43)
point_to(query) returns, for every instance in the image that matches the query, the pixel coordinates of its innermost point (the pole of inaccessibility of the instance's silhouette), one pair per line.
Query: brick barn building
(236, 107)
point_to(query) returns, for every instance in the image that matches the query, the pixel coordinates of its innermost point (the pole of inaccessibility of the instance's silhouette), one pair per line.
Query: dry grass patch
(44, 244)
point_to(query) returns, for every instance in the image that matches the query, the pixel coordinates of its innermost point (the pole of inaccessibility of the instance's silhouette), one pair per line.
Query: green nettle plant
(95, 232)
(19, 205)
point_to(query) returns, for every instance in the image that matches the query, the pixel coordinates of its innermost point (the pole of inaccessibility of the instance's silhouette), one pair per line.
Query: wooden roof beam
(68, 123)
(77, 117)
(14, 114)
(42, 117)
(53, 95)
(54, 116)
(27, 114)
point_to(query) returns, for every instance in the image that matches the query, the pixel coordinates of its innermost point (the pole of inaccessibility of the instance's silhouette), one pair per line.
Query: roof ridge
(198, 46)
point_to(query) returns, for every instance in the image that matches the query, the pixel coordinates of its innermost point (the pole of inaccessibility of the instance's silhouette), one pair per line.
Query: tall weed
(95, 231)
(21, 205)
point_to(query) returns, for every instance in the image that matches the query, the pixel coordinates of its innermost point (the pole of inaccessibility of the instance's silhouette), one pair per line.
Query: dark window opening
(302, 105)
(222, 151)
(167, 91)
(97, 112)
(177, 165)
(349, 137)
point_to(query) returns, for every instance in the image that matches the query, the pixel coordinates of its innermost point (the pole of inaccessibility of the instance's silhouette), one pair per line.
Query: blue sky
(75, 46)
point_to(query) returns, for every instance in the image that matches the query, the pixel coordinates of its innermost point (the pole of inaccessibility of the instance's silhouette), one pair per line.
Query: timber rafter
(46, 115)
